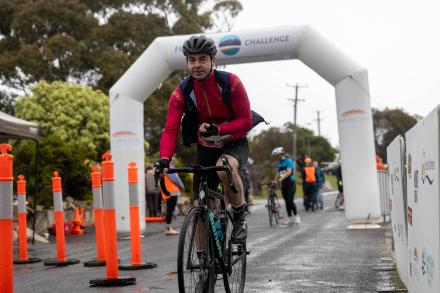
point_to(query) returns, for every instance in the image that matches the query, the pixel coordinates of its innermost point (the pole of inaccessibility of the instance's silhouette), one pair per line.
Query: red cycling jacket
(211, 109)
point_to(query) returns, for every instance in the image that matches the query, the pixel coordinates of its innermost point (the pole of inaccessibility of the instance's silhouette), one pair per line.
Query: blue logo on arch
(230, 44)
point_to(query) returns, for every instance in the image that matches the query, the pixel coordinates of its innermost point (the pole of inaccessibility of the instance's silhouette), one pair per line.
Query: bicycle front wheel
(269, 210)
(235, 260)
(195, 258)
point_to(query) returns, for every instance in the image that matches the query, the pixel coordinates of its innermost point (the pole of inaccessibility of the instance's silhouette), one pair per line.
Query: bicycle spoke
(192, 265)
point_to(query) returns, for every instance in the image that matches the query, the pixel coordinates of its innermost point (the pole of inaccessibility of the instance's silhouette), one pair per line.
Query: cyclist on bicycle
(285, 174)
(212, 103)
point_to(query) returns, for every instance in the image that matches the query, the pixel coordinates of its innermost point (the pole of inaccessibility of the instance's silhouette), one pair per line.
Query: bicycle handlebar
(195, 170)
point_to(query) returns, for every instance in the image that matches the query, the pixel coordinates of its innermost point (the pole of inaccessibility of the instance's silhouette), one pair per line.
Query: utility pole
(295, 105)
(319, 122)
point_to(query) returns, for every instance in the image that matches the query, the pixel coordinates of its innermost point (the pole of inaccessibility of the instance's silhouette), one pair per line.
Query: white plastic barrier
(422, 154)
(383, 179)
(397, 191)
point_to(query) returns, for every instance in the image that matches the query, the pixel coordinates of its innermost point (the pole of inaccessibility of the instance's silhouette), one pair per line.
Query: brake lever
(159, 177)
(229, 173)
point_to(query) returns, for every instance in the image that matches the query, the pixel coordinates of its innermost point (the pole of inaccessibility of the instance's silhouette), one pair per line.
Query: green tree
(6, 103)
(90, 41)
(93, 42)
(75, 120)
(388, 124)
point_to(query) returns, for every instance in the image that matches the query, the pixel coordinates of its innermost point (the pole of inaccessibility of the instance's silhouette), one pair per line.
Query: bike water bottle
(218, 228)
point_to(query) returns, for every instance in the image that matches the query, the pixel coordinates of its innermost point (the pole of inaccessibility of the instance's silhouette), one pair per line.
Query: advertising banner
(422, 155)
(397, 191)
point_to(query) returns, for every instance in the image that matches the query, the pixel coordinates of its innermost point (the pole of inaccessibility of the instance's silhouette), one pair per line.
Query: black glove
(212, 130)
(162, 163)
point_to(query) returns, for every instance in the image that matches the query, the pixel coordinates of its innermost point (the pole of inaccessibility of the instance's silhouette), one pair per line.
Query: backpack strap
(222, 78)
(190, 120)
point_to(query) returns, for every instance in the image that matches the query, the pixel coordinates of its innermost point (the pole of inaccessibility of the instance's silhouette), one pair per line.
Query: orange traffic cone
(99, 220)
(112, 278)
(22, 224)
(135, 234)
(6, 239)
(76, 230)
(61, 259)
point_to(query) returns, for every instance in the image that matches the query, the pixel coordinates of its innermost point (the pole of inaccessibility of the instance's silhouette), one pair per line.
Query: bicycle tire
(269, 210)
(235, 258)
(277, 213)
(194, 273)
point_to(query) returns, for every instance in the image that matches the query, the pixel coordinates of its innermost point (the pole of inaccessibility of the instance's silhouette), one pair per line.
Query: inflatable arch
(164, 56)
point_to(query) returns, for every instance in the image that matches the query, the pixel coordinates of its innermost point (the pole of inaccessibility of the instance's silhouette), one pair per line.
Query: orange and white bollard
(23, 257)
(61, 259)
(111, 244)
(135, 233)
(99, 224)
(6, 252)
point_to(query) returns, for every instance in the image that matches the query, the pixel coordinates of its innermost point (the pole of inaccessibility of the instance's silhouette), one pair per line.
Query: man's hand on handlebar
(161, 166)
(207, 130)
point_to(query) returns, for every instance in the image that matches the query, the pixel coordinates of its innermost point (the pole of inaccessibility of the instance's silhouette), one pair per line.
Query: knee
(233, 163)
(221, 174)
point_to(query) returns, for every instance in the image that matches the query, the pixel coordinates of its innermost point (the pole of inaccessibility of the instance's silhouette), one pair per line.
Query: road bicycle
(273, 205)
(205, 249)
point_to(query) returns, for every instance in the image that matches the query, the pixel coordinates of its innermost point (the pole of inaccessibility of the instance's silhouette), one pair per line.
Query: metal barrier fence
(384, 181)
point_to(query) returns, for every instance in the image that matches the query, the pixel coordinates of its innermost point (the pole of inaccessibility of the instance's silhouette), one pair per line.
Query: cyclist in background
(286, 176)
(208, 111)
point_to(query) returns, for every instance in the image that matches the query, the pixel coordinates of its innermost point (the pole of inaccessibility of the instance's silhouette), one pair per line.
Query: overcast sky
(398, 42)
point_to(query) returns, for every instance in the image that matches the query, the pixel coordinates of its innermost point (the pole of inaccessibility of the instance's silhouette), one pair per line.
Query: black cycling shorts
(206, 157)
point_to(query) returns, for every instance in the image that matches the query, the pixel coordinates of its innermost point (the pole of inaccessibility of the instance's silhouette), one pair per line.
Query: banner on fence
(397, 191)
(422, 161)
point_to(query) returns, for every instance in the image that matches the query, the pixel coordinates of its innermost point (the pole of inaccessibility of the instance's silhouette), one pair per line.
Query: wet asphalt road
(319, 255)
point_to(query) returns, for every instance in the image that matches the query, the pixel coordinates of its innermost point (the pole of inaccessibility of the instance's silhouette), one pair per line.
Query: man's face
(199, 65)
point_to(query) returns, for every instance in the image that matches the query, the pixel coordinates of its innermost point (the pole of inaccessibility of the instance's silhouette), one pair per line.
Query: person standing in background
(320, 179)
(310, 185)
(174, 185)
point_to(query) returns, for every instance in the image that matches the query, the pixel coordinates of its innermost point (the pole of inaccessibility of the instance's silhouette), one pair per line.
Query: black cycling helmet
(199, 45)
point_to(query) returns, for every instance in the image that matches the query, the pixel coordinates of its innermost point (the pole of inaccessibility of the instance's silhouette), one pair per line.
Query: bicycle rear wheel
(235, 259)
(195, 255)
